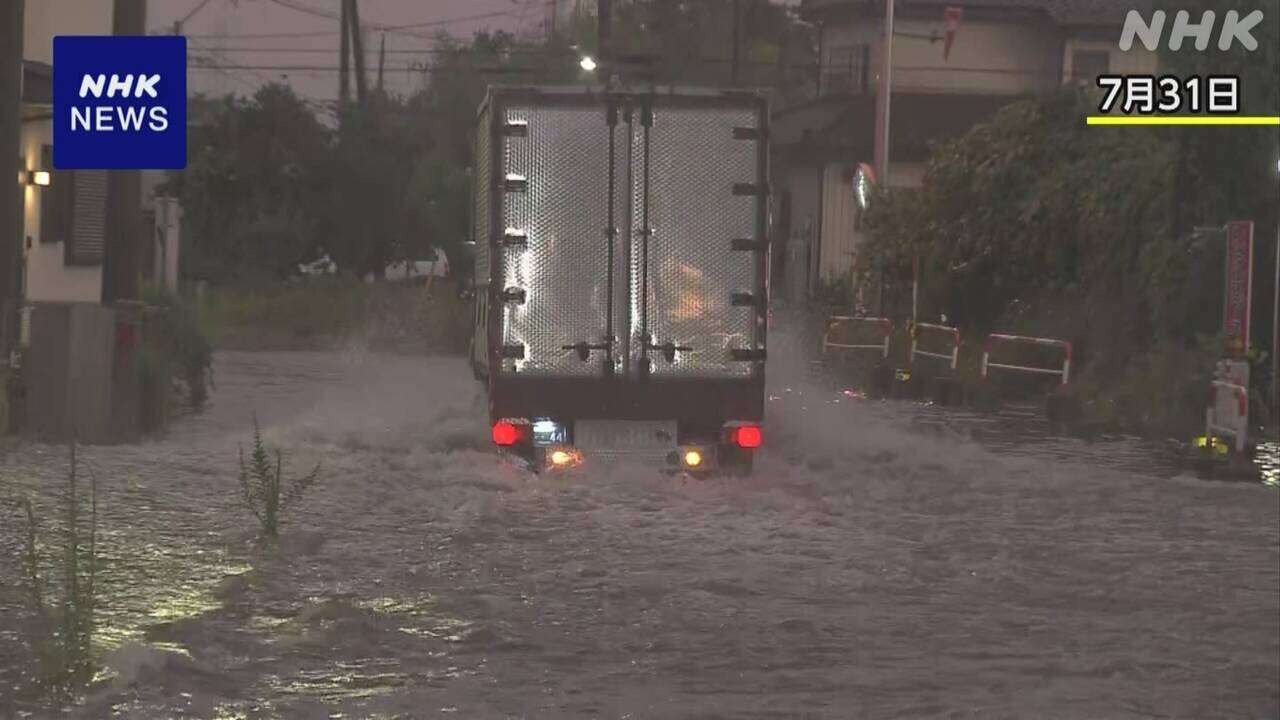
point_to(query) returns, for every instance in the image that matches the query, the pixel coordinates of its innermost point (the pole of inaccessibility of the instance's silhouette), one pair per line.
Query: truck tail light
(505, 433)
(748, 437)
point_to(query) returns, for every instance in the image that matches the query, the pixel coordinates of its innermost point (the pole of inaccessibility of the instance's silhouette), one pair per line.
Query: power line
(335, 68)
(200, 5)
(395, 29)
(390, 51)
(194, 11)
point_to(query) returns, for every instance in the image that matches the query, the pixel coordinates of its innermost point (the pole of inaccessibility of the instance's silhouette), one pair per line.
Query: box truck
(621, 279)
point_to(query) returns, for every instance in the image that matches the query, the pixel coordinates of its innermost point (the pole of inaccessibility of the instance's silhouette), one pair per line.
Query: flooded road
(885, 560)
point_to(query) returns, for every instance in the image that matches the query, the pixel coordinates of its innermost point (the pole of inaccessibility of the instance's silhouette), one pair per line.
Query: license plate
(624, 435)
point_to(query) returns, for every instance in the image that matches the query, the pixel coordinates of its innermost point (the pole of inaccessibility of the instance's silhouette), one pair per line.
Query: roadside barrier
(1065, 372)
(1228, 412)
(952, 356)
(837, 321)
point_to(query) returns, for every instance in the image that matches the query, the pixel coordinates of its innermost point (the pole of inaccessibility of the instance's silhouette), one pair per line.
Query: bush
(178, 345)
(63, 597)
(265, 491)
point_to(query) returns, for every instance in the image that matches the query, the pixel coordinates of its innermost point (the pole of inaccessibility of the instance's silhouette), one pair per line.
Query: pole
(604, 30)
(915, 287)
(382, 60)
(1275, 338)
(357, 50)
(344, 45)
(885, 95)
(121, 247)
(737, 41)
(883, 103)
(11, 192)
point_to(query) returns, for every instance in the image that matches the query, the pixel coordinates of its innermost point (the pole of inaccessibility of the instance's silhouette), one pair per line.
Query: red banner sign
(1239, 286)
(952, 16)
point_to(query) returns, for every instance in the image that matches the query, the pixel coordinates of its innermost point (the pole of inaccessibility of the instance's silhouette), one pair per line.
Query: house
(1001, 51)
(64, 223)
(64, 218)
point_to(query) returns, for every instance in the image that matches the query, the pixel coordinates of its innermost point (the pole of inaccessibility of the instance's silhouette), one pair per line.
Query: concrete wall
(68, 373)
(47, 278)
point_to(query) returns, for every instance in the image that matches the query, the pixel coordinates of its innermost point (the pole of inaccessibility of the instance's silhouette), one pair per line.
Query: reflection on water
(1268, 461)
(342, 680)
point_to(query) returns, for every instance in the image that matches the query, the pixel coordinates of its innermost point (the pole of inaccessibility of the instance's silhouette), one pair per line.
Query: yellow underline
(1183, 120)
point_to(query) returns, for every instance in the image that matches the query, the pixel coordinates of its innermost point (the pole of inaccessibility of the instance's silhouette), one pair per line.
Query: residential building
(64, 220)
(1001, 51)
(65, 217)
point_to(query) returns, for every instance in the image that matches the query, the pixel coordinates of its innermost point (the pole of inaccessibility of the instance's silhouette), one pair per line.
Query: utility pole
(737, 40)
(883, 103)
(382, 60)
(11, 193)
(604, 30)
(357, 49)
(884, 97)
(344, 45)
(1275, 338)
(121, 246)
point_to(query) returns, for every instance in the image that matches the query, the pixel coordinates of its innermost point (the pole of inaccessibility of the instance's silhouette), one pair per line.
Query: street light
(587, 63)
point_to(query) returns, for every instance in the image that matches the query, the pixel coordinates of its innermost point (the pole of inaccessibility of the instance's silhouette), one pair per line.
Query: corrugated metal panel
(839, 241)
(694, 216)
(483, 189)
(563, 211)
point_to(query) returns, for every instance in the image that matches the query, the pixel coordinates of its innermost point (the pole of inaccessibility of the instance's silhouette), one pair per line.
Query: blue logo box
(119, 102)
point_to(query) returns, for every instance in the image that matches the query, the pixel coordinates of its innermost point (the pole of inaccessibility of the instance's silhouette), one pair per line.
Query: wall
(45, 18)
(804, 183)
(1137, 61)
(839, 242)
(46, 276)
(988, 56)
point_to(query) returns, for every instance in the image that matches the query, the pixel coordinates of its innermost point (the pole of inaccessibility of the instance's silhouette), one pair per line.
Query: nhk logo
(104, 118)
(1235, 29)
(119, 102)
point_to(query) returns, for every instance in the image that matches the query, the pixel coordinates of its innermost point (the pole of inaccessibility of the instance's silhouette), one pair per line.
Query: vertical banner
(952, 15)
(1235, 324)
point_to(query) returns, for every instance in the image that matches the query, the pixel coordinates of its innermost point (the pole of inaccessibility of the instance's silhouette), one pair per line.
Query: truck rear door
(630, 235)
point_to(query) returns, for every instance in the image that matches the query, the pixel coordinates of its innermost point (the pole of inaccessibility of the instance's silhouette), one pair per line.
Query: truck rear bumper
(698, 405)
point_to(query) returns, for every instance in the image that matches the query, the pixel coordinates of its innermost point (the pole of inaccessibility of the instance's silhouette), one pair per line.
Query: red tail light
(505, 433)
(748, 437)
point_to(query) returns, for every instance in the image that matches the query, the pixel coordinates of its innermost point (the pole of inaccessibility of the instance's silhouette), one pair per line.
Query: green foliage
(179, 341)
(251, 189)
(291, 314)
(1027, 203)
(1034, 222)
(264, 489)
(1224, 174)
(63, 596)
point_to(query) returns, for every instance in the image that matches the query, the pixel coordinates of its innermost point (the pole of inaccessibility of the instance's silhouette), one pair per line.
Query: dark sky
(251, 39)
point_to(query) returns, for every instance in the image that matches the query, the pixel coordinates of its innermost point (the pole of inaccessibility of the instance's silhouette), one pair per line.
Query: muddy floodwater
(886, 560)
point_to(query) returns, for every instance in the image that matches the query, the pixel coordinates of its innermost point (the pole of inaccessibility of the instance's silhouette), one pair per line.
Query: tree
(249, 190)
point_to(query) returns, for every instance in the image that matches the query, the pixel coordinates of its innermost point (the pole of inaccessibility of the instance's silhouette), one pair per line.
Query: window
(1087, 65)
(77, 217)
(846, 70)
